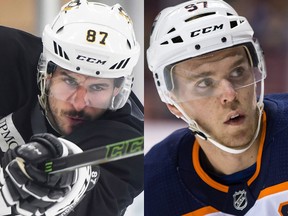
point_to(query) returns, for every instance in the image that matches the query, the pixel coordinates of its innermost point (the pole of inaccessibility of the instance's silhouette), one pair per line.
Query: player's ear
(174, 110)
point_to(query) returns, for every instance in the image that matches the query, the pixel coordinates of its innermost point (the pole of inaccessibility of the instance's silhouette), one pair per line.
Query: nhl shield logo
(240, 200)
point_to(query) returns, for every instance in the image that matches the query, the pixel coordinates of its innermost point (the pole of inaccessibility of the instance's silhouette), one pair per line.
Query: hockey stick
(104, 154)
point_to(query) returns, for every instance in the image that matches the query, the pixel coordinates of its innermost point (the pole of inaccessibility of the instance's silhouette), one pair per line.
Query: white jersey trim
(9, 135)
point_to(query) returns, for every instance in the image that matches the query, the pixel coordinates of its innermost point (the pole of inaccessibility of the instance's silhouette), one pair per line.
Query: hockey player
(232, 158)
(80, 99)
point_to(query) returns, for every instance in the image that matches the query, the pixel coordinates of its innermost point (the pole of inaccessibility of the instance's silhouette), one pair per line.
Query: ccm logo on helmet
(90, 60)
(206, 30)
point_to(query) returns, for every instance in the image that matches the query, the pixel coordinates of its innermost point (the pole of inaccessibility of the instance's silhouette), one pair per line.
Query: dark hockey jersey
(177, 184)
(20, 117)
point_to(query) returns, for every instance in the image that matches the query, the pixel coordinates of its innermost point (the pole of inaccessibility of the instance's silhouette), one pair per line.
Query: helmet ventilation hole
(171, 30)
(199, 16)
(129, 45)
(164, 43)
(177, 39)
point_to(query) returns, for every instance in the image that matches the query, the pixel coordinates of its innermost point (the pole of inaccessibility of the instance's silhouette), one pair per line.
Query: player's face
(74, 98)
(214, 95)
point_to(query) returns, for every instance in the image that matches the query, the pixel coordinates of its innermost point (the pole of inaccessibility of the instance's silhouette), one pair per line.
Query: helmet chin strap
(203, 135)
(43, 102)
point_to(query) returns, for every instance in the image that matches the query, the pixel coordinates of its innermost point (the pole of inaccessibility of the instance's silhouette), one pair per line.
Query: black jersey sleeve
(20, 52)
(120, 181)
(19, 55)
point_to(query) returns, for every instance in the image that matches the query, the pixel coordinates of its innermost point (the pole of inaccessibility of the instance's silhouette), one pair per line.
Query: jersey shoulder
(20, 53)
(14, 39)
(164, 197)
(276, 109)
(167, 148)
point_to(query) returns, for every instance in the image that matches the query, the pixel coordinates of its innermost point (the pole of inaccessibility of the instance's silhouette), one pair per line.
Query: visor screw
(77, 68)
(197, 46)
(224, 39)
(97, 72)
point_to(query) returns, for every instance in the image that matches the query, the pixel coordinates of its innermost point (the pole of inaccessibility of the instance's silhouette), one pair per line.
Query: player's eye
(96, 87)
(205, 83)
(241, 76)
(237, 73)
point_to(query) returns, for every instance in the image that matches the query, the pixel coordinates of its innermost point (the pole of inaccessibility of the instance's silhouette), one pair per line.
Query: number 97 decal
(193, 7)
(96, 37)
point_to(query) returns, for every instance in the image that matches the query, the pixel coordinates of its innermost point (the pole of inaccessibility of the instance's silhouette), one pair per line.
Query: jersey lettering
(9, 135)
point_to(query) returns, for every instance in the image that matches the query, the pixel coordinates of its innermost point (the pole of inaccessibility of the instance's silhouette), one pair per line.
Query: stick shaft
(108, 153)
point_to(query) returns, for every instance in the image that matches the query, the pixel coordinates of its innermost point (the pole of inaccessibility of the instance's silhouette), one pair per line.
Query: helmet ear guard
(51, 67)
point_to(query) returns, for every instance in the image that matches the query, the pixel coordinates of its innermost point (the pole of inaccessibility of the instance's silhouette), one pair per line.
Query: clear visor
(82, 91)
(211, 76)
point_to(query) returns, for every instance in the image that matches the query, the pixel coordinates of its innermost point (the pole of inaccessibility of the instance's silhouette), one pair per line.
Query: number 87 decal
(92, 37)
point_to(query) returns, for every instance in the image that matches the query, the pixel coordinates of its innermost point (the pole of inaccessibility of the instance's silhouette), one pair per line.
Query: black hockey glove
(26, 186)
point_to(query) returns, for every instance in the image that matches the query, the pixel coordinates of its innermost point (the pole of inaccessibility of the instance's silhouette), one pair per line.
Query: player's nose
(227, 92)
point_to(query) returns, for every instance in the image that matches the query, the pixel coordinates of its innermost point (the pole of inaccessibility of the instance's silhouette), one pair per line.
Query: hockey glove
(27, 187)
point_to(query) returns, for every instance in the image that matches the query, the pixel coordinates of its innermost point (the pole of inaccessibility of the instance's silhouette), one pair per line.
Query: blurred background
(268, 18)
(32, 16)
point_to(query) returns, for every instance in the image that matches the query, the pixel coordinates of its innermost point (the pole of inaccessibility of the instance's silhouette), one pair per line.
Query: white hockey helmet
(192, 29)
(92, 39)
